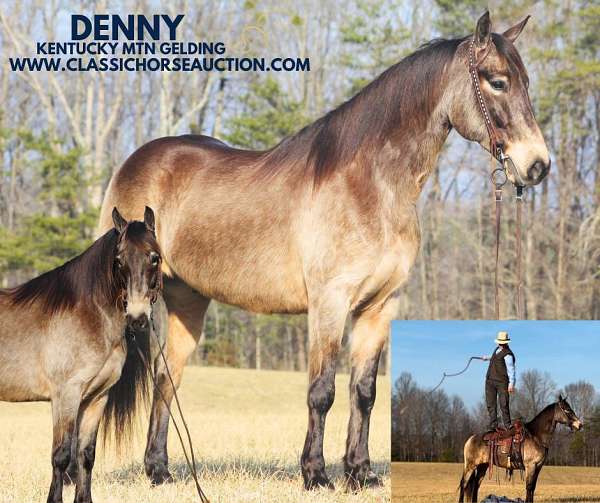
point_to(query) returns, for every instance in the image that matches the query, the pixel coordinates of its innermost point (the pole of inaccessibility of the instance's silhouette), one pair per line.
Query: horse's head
(504, 85)
(137, 264)
(564, 414)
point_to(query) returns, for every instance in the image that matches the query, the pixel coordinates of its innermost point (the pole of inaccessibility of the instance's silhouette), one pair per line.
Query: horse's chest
(388, 270)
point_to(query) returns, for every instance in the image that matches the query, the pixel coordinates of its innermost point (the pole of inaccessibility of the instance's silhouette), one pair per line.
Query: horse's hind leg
(65, 407)
(88, 422)
(326, 318)
(369, 332)
(186, 317)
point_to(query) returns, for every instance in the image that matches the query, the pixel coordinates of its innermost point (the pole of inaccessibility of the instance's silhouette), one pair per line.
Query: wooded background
(430, 426)
(63, 134)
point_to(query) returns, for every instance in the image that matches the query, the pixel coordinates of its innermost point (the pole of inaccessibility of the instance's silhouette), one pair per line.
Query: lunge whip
(457, 373)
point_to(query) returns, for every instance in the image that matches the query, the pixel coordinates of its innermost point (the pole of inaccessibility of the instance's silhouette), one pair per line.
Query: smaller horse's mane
(87, 277)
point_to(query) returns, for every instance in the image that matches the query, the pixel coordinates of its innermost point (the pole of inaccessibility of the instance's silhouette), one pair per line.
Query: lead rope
(520, 303)
(498, 204)
(191, 464)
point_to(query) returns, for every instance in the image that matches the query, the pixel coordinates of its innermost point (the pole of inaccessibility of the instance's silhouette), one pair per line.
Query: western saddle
(507, 442)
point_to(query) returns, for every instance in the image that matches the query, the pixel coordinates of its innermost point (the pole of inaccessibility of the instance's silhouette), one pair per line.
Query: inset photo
(495, 411)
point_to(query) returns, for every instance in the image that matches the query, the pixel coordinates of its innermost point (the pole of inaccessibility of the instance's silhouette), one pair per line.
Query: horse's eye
(498, 85)
(119, 262)
(154, 259)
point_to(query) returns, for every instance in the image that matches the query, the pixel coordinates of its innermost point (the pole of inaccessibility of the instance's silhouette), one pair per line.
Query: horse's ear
(513, 33)
(560, 398)
(149, 219)
(483, 31)
(118, 220)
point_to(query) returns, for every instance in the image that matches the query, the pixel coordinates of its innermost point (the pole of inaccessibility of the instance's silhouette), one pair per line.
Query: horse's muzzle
(137, 323)
(538, 171)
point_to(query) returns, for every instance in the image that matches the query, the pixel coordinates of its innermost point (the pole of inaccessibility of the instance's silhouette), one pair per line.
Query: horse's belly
(259, 287)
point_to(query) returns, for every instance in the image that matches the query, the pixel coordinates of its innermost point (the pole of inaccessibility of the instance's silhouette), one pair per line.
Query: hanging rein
(499, 178)
(189, 457)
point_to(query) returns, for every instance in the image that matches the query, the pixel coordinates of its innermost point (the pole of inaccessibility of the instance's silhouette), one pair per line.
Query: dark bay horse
(538, 436)
(63, 339)
(325, 222)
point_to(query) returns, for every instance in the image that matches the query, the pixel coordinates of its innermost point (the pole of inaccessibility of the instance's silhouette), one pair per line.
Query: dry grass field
(438, 483)
(248, 428)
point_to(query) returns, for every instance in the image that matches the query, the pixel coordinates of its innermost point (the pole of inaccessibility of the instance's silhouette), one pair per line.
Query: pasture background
(63, 134)
(438, 483)
(248, 429)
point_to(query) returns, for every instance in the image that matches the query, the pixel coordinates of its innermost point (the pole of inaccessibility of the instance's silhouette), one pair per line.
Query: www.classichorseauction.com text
(113, 43)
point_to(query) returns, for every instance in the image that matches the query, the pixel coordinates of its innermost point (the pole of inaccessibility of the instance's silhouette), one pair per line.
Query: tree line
(433, 426)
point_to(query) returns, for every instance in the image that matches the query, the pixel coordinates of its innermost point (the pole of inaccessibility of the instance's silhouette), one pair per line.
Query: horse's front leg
(369, 333)
(531, 476)
(65, 408)
(326, 318)
(88, 423)
(185, 322)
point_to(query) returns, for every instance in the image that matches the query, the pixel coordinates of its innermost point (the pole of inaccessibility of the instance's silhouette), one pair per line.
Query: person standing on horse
(500, 381)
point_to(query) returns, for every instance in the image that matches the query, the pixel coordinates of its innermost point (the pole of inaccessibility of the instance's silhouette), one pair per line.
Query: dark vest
(497, 370)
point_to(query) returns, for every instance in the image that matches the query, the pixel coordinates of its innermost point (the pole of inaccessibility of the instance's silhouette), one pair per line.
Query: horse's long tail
(132, 389)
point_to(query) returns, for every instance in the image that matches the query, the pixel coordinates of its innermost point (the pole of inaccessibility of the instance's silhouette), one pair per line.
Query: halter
(499, 177)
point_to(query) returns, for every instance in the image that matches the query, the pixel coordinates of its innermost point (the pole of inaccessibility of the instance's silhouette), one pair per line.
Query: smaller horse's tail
(132, 389)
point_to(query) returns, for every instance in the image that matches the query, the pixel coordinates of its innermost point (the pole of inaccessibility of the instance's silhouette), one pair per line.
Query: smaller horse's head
(564, 414)
(137, 265)
(504, 86)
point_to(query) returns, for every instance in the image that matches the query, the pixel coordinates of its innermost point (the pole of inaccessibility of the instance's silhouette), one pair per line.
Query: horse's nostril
(139, 323)
(537, 171)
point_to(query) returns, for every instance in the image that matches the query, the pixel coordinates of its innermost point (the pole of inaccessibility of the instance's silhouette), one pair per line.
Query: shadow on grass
(259, 469)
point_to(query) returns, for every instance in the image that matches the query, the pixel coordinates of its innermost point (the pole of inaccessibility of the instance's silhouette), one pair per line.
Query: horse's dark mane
(405, 93)
(89, 276)
(541, 414)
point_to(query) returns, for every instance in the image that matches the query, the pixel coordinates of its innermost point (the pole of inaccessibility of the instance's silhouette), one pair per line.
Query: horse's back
(162, 170)
(222, 228)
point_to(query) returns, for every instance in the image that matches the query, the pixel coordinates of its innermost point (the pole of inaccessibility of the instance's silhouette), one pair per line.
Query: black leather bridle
(499, 177)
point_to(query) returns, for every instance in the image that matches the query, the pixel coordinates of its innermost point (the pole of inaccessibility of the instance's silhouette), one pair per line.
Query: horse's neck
(542, 427)
(398, 166)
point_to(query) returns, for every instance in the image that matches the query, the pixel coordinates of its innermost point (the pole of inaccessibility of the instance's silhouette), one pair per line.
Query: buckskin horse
(325, 222)
(63, 339)
(538, 435)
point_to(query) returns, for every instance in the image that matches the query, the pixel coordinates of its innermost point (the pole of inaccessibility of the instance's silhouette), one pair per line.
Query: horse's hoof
(358, 479)
(159, 476)
(318, 481)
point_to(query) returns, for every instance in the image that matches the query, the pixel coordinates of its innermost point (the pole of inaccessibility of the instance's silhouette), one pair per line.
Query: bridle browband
(499, 177)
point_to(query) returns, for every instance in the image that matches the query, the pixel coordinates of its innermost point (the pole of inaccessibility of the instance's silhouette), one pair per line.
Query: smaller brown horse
(538, 435)
(70, 336)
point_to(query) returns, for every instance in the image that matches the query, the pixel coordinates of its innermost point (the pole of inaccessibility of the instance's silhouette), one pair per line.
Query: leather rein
(499, 177)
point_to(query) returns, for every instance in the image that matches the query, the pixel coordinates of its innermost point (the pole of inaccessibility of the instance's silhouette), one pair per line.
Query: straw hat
(502, 338)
